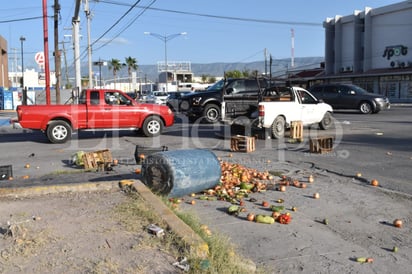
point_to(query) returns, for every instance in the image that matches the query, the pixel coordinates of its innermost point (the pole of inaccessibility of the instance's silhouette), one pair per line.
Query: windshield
(217, 86)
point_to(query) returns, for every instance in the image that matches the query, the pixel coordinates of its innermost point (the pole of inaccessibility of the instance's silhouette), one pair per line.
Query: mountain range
(279, 67)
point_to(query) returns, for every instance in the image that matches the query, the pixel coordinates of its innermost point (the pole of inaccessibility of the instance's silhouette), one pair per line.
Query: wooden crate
(241, 143)
(296, 130)
(322, 144)
(100, 159)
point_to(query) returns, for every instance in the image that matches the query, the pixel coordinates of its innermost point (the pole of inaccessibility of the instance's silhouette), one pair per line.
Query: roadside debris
(183, 264)
(156, 230)
(364, 260)
(100, 160)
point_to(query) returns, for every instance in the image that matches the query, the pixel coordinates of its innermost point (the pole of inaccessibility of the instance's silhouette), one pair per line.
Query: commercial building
(371, 48)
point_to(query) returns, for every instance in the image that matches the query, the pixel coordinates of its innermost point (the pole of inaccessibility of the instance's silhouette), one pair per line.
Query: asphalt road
(378, 146)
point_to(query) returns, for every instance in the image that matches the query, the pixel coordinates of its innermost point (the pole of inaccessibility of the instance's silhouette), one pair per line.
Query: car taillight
(261, 110)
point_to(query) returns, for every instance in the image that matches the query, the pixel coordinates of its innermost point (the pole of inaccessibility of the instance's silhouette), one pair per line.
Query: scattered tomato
(398, 223)
(265, 204)
(374, 182)
(316, 195)
(282, 188)
(250, 217)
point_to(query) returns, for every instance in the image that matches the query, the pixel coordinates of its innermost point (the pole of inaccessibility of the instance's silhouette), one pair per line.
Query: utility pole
(65, 64)
(89, 47)
(57, 60)
(76, 45)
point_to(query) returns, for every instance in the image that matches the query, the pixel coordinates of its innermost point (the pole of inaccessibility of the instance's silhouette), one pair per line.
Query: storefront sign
(391, 51)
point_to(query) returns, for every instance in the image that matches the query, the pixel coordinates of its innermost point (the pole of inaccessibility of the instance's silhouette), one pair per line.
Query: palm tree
(131, 64)
(115, 65)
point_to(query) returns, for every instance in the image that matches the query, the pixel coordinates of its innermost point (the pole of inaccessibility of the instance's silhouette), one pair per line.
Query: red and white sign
(39, 58)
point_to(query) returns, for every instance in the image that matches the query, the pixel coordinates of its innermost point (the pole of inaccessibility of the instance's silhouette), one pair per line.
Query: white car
(157, 97)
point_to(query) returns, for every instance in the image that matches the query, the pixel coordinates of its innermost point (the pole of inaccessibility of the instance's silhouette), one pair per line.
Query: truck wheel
(278, 127)
(211, 113)
(152, 126)
(327, 121)
(365, 107)
(59, 132)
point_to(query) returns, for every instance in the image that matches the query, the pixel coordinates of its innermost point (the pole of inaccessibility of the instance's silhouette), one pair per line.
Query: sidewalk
(359, 218)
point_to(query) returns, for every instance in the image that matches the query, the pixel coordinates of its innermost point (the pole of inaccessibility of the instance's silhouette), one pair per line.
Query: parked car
(157, 97)
(240, 96)
(349, 96)
(174, 98)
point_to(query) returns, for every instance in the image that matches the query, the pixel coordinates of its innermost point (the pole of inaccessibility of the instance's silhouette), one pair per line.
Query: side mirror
(229, 90)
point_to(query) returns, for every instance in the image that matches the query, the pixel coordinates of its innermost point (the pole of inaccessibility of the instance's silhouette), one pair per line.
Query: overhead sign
(39, 58)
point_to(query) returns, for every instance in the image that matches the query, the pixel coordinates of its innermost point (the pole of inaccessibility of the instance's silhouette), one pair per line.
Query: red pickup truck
(97, 109)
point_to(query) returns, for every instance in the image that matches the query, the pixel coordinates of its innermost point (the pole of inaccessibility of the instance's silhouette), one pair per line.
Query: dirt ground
(77, 233)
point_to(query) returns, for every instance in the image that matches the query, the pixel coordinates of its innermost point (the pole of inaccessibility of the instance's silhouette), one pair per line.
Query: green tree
(204, 78)
(212, 79)
(246, 72)
(115, 65)
(233, 74)
(131, 64)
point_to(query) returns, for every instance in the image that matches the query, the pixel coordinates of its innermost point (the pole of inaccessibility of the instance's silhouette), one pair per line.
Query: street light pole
(165, 39)
(22, 39)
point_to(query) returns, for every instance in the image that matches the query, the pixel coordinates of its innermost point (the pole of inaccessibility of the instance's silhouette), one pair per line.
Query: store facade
(371, 48)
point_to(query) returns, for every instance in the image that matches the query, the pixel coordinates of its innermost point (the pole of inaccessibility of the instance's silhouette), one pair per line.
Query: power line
(126, 27)
(23, 19)
(265, 21)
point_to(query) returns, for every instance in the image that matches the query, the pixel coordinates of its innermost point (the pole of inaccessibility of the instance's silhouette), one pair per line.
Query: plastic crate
(6, 172)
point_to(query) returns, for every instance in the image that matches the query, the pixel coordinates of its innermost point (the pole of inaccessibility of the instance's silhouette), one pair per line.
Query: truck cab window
(94, 98)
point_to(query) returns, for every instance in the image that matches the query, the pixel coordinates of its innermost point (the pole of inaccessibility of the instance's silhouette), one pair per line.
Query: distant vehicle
(157, 97)
(174, 99)
(349, 96)
(98, 109)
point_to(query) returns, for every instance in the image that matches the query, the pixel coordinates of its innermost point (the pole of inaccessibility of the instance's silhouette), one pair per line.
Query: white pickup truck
(282, 105)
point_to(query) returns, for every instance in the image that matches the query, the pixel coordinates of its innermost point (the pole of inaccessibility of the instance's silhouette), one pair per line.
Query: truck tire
(327, 121)
(211, 113)
(59, 132)
(278, 127)
(152, 126)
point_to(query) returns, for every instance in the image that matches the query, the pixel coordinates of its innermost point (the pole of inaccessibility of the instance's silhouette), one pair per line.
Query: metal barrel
(180, 172)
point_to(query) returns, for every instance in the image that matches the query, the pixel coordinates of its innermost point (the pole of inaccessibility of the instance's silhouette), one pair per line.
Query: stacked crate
(321, 144)
(296, 130)
(240, 143)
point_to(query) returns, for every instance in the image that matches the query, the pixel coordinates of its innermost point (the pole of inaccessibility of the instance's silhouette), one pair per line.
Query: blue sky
(217, 31)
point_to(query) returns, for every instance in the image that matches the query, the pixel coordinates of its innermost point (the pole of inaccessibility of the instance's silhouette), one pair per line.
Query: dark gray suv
(349, 96)
(241, 96)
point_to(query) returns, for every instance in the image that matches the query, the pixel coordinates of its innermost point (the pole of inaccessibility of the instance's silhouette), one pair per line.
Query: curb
(197, 247)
